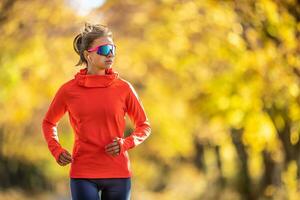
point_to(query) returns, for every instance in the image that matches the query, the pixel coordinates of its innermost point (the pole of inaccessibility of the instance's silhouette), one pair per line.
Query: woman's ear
(86, 55)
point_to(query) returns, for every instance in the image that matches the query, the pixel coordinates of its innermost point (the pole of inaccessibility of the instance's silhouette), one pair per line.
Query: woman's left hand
(113, 148)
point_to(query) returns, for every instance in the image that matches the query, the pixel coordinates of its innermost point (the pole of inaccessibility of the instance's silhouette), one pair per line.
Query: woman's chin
(105, 66)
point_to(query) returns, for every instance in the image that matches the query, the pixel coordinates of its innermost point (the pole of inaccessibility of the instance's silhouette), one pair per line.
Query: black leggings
(111, 188)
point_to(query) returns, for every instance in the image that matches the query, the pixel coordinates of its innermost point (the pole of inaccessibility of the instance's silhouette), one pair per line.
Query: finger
(114, 142)
(111, 144)
(113, 148)
(67, 156)
(115, 153)
(59, 160)
(64, 160)
(60, 163)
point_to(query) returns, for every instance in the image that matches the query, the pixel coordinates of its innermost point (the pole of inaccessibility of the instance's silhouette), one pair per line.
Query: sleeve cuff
(121, 144)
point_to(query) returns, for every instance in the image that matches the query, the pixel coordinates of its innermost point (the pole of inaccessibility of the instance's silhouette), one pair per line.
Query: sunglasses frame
(97, 48)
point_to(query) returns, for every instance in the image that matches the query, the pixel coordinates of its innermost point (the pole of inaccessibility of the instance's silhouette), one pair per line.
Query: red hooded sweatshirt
(96, 105)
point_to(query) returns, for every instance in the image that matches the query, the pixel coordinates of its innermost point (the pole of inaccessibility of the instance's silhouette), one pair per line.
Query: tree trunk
(244, 182)
(219, 164)
(199, 155)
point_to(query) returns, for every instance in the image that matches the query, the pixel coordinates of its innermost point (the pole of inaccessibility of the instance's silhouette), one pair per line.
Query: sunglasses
(104, 49)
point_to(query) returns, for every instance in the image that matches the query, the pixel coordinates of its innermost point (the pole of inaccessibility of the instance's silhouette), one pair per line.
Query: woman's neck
(94, 71)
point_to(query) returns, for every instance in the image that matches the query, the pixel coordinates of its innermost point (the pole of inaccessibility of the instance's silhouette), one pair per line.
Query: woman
(97, 100)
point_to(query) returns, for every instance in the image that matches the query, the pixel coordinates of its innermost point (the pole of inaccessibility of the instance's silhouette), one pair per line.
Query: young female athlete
(97, 100)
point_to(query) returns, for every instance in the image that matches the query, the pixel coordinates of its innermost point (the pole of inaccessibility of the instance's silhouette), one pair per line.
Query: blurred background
(219, 81)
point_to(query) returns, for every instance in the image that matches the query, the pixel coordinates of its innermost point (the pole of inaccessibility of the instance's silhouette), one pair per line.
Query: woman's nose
(110, 54)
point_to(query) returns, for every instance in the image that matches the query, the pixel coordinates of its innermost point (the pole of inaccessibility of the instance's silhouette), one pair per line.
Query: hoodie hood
(93, 80)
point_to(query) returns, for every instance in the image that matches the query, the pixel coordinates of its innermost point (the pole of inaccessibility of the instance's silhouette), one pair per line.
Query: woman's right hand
(64, 158)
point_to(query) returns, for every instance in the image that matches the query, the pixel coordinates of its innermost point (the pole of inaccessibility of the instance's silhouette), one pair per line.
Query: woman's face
(99, 61)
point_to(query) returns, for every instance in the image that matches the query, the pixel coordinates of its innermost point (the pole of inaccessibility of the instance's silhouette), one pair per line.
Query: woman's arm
(138, 116)
(55, 112)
